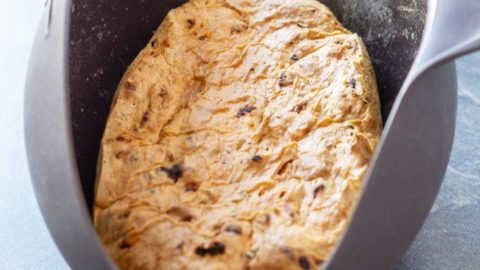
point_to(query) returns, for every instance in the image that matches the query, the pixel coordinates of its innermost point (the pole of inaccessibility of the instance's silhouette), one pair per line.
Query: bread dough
(238, 139)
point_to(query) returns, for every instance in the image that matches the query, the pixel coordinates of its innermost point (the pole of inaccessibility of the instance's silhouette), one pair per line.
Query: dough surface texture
(238, 139)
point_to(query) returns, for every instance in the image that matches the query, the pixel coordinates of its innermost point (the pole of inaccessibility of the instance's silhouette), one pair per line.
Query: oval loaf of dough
(238, 139)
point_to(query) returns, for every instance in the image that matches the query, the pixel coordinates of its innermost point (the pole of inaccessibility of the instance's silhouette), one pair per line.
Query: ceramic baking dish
(83, 48)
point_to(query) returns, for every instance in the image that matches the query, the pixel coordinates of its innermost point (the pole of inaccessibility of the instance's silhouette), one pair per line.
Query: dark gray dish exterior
(83, 48)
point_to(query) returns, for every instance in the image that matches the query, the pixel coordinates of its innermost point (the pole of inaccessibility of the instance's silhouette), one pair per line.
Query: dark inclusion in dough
(214, 249)
(174, 173)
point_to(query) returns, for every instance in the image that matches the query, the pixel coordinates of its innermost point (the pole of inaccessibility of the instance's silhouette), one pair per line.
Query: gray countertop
(450, 238)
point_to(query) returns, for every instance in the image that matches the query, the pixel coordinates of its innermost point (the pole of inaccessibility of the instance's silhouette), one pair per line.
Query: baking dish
(83, 47)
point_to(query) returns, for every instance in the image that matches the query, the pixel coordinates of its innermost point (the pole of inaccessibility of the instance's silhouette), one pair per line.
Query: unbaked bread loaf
(238, 139)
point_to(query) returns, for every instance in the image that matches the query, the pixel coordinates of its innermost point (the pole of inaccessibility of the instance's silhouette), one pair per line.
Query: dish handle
(452, 30)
